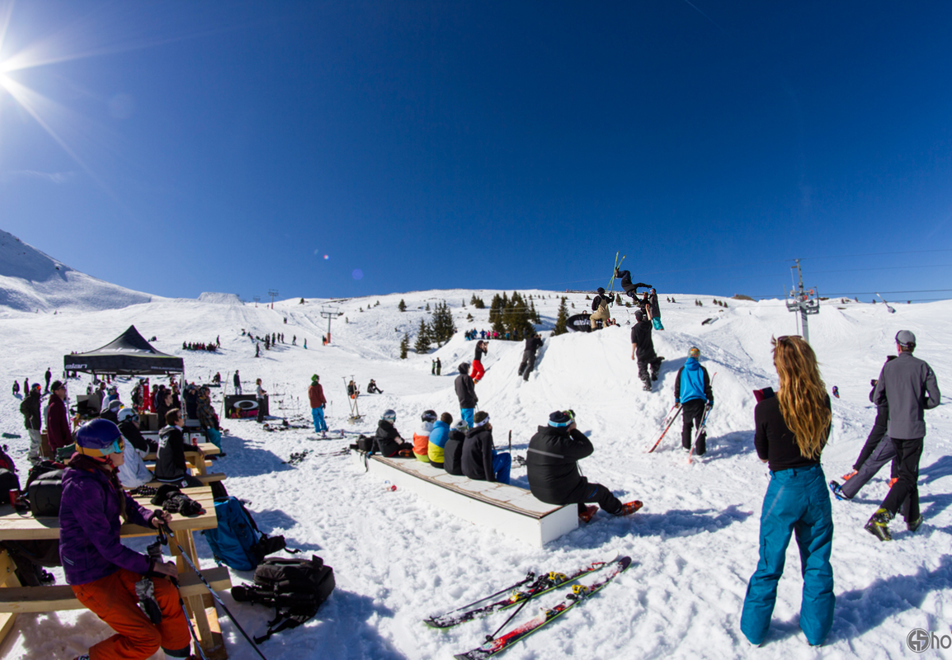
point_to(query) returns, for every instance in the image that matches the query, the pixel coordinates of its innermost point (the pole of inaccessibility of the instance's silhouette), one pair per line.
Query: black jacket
(478, 454)
(552, 464)
(133, 435)
(655, 307)
(466, 391)
(31, 412)
(641, 337)
(453, 453)
(170, 464)
(388, 439)
(532, 344)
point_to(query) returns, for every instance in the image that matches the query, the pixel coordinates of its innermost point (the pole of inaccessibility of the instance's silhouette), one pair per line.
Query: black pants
(527, 364)
(260, 417)
(909, 451)
(644, 361)
(875, 435)
(692, 412)
(588, 492)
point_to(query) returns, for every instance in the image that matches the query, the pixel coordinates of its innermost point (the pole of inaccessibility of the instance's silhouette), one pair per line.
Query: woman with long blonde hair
(791, 430)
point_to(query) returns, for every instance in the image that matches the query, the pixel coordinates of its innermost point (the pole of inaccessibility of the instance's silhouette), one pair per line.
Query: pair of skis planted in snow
(519, 594)
(673, 415)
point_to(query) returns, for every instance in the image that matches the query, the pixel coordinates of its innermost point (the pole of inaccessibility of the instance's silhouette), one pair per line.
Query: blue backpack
(237, 542)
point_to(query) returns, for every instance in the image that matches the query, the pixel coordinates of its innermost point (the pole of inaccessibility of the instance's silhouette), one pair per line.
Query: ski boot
(915, 524)
(838, 491)
(878, 525)
(588, 514)
(647, 385)
(629, 508)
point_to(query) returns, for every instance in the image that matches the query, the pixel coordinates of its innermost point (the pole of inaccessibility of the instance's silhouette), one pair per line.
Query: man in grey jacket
(908, 385)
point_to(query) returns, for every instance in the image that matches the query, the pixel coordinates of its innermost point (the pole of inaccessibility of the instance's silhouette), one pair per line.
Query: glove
(145, 592)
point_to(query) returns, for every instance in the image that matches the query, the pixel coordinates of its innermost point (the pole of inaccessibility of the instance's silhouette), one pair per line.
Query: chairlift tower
(274, 294)
(256, 299)
(329, 313)
(804, 301)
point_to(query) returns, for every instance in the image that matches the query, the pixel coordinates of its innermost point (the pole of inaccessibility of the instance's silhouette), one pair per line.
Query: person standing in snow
(600, 304)
(478, 371)
(466, 393)
(58, 432)
(16, 387)
(692, 391)
(908, 386)
(533, 342)
(315, 394)
(260, 394)
(439, 367)
(791, 430)
(237, 382)
(553, 472)
(642, 348)
(481, 461)
(32, 421)
(654, 309)
(47, 375)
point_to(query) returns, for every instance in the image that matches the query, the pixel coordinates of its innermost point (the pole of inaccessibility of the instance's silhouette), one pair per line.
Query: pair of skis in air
(522, 592)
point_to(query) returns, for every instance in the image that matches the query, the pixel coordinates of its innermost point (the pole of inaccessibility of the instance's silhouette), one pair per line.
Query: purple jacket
(89, 528)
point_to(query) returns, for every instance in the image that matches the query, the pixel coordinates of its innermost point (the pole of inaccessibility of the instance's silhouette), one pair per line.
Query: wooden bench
(507, 509)
(204, 478)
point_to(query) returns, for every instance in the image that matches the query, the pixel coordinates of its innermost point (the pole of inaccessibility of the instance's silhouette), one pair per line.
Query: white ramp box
(507, 509)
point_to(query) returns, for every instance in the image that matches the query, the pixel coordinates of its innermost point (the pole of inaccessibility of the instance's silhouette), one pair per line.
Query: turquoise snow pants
(797, 502)
(318, 416)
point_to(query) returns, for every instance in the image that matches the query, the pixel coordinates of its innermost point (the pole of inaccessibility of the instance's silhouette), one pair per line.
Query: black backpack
(296, 588)
(366, 443)
(44, 489)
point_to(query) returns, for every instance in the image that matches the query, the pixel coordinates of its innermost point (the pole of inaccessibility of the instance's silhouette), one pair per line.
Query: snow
(397, 560)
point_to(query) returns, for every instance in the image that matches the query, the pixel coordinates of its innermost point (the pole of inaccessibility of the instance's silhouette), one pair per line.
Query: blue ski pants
(797, 502)
(467, 415)
(319, 424)
(502, 466)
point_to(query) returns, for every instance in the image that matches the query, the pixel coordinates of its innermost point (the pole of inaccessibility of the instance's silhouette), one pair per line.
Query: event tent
(129, 354)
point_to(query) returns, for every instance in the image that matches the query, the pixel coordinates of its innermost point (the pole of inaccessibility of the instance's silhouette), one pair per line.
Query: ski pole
(668, 426)
(702, 426)
(510, 442)
(168, 532)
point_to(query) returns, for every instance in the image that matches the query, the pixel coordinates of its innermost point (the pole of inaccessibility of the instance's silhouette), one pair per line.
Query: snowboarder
(533, 342)
(908, 386)
(237, 382)
(478, 371)
(791, 430)
(554, 476)
(315, 393)
(692, 391)
(481, 461)
(372, 387)
(600, 304)
(642, 348)
(631, 290)
(466, 393)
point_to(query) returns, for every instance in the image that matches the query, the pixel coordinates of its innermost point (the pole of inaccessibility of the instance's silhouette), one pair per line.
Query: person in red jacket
(316, 394)
(58, 432)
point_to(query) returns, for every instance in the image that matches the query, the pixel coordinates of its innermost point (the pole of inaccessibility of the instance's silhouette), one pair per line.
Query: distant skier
(16, 388)
(315, 394)
(631, 290)
(654, 309)
(642, 348)
(237, 382)
(600, 304)
(692, 391)
(439, 367)
(533, 342)
(478, 371)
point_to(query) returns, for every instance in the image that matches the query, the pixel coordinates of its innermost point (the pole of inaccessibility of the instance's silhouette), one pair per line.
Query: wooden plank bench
(508, 509)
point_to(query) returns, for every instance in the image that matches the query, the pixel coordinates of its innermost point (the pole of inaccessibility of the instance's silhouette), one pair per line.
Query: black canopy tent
(129, 354)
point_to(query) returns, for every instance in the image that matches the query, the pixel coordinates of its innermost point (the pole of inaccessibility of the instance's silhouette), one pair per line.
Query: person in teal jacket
(692, 391)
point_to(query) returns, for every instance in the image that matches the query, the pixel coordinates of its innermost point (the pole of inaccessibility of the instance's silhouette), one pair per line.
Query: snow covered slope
(396, 560)
(31, 281)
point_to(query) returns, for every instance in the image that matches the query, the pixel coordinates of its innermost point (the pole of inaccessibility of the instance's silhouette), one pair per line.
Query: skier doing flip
(631, 290)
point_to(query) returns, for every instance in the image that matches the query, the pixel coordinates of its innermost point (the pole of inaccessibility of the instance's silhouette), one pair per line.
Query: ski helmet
(99, 438)
(429, 416)
(389, 415)
(128, 414)
(695, 352)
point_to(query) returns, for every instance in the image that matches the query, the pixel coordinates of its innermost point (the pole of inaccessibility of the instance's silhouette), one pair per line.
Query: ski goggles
(116, 447)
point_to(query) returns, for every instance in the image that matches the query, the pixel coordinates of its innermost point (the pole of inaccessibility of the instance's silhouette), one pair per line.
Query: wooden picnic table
(198, 602)
(199, 465)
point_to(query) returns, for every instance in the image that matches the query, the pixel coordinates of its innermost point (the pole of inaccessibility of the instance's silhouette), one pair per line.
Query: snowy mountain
(398, 560)
(32, 281)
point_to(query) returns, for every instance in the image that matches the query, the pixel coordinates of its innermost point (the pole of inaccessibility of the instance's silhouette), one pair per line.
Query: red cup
(14, 494)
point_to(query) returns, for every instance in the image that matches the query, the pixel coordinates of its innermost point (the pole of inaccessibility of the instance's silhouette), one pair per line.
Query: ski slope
(397, 560)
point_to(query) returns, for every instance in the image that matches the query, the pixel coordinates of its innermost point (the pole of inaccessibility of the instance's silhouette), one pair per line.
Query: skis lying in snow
(666, 424)
(487, 605)
(580, 593)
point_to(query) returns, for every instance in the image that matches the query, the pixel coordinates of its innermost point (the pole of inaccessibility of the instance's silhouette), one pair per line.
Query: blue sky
(181, 147)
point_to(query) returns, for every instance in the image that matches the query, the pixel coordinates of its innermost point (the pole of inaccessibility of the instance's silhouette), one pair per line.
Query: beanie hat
(905, 338)
(559, 419)
(480, 419)
(695, 352)
(601, 290)
(639, 315)
(315, 378)
(55, 386)
(464, 367)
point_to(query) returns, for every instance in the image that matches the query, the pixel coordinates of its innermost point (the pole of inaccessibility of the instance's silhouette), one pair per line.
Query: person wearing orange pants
(478, 371)
(103, 573)
(113, 599)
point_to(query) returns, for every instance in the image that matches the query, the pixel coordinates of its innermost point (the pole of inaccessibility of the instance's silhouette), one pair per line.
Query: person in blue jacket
(692, 391)
(792, 429)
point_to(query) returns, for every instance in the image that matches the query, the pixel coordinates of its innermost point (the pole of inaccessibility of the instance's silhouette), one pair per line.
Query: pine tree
(404, 346)
(428, 307)
(442, 324)
(402, 306)
(561, 321)
(422, 344)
